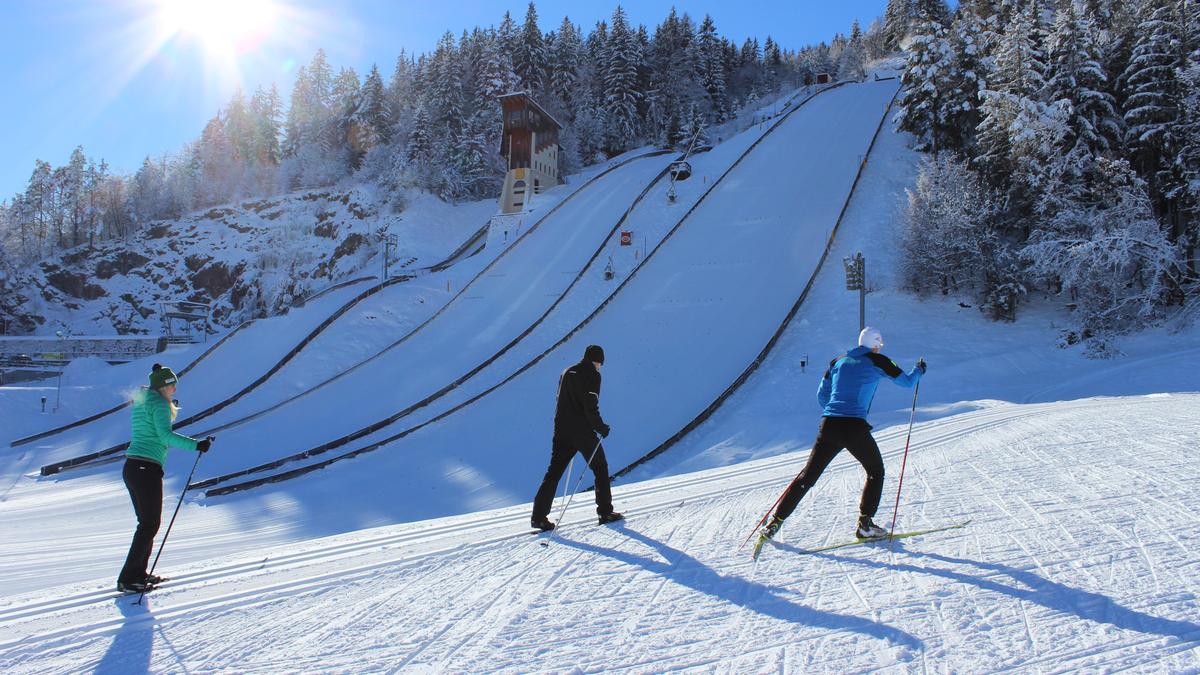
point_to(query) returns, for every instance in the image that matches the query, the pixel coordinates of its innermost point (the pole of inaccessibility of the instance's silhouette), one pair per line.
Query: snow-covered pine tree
(420, 140)
(148, 196)
(471, 154)
(1187, 158)
(931, 10)
(619, 66)
(672, 83)
(1153, 109)
(72, 196)
(239, 126)
(35, 212)
(371, 121)
(529, 55)
(321, 81)
(895, 23)
(772, 55)
(338, 136)
(962, 99)
(590, 130)
(931, 74)
(1011, 112)
(1077, 83)
(267, 111)
(215, 157)
(644, 78)
(296, 127)
(508, 35)
(493, 76)
(850, 61)
(401, 97)
(345, 93)
(709, 62)
(443, 94)
(494, 73)
(566, 58)
(93, 183)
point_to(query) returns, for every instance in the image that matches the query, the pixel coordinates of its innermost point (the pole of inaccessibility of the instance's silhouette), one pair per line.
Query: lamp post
(856, 280)
(62, 353)
(390, 242)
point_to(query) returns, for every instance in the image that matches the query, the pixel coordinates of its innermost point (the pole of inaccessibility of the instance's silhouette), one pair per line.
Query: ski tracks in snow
(1079, 557)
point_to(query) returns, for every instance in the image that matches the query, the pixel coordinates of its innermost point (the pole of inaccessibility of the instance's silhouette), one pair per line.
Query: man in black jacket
(576, 422)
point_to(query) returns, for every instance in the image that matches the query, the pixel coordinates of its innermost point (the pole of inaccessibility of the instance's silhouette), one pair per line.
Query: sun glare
(224, 27)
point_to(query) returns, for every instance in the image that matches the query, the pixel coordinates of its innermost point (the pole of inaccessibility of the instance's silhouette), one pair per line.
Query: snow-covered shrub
(1104, 247)
(947, 241)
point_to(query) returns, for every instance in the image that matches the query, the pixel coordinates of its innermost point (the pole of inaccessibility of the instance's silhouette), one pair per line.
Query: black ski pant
(560, 456)
(836, 433)
(144, 480)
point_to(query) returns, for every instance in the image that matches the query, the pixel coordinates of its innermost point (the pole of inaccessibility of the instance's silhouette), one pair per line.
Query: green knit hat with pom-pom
(161, 376)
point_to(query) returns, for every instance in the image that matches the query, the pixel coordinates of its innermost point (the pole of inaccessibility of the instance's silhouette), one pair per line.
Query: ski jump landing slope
(1080, 558)
(685, 325)
(488, 314)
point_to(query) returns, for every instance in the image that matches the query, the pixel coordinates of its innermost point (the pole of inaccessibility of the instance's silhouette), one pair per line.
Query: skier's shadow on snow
(1050, 594)
(687, 571)
(133, 644)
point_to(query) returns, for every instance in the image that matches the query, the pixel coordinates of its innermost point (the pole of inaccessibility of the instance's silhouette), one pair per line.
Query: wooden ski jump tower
(530, 148)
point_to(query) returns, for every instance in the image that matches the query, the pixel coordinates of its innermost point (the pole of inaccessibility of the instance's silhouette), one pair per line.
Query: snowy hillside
(248, 260)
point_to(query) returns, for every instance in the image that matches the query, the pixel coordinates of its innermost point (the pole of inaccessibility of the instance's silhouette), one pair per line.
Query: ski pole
(904, 461)
(172, 523)
(582, 473)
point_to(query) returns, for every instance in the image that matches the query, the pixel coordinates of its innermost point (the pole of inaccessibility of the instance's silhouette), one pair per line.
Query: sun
(225, 28)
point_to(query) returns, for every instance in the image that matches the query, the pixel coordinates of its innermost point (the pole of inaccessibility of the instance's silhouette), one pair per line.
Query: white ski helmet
(870, 338)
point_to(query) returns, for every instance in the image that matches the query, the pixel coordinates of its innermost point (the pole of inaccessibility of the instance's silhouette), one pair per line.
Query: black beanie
(594, 353)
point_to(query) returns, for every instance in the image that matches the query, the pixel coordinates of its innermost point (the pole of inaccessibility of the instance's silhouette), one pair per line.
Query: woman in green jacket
(153, 413)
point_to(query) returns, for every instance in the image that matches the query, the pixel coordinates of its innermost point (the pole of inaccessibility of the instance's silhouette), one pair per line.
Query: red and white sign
(626, 238)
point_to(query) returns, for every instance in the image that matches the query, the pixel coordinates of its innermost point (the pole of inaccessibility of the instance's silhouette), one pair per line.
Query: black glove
(202, 446)
(921, 365)
(604, 429)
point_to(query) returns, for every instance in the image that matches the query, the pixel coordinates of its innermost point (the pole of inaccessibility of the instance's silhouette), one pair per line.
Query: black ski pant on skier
(834, 435)
(560, 456)
(144, 480)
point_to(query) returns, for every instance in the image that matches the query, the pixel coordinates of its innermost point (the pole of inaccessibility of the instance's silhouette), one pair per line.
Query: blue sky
(127, 78)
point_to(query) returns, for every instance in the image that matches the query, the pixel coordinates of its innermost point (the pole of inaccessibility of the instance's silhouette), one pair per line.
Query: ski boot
(541, 523)
(769, 530)
(134, 587)
(154, 579)
(766, 533)
(869, 530)
(611, 518)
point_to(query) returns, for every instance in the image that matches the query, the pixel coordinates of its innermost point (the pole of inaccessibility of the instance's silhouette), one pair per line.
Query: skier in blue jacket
(845, 396)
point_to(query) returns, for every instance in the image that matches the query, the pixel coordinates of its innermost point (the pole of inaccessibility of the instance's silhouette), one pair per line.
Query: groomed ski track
(1026, 587)
(700, 310)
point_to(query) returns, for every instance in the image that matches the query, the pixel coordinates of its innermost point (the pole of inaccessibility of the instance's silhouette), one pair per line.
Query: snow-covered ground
(1077, 477)
(1080, 556)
